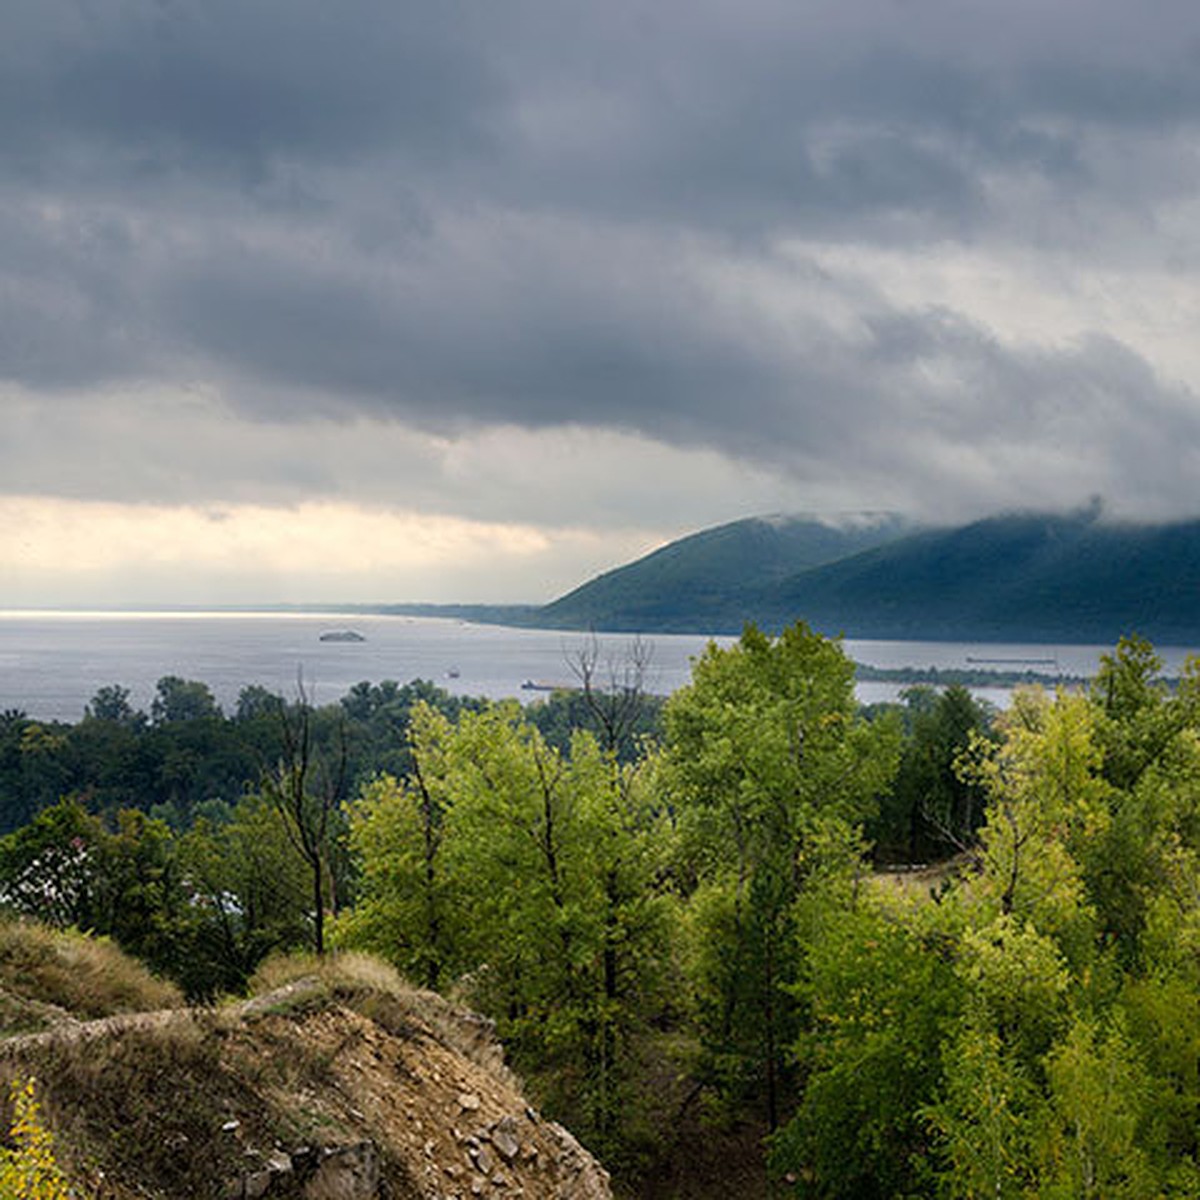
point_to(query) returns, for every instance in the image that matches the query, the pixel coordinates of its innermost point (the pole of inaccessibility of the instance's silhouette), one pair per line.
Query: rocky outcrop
(330, 1173)
(309, 1093)
(515, 1156)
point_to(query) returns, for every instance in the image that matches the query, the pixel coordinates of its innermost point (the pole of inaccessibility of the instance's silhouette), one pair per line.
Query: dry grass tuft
(375, 989)
(48, 970)
(345, 971)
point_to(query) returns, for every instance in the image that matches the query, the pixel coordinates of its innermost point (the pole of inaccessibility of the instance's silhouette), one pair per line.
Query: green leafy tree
(376, 724)
(878, 1005)
(411, 905)
(177, 699)
(985, 1119)
(1160, 1016)
(572, 928)
(1047, 799)
(249, 891)
(932, 811)
(68, 868)
(257, 703)
(765, 763)
(1098, 1092)
(141, 898)
(1140, 719)
(531, 875)
(52, 867)
(111, 704)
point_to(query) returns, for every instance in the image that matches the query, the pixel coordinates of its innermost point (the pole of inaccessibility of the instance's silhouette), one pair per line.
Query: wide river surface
(52, 663)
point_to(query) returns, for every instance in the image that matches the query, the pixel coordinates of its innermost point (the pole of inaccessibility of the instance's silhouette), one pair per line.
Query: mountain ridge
(1023, 576)
(716, 570)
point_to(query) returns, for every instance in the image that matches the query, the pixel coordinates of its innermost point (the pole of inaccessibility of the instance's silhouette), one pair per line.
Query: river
(52, 663)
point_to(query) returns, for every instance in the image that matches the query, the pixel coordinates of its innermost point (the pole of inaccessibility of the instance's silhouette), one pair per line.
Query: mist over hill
(1023, 576)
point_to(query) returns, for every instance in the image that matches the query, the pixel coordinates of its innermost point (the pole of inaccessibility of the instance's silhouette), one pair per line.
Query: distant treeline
(967, 677)
(187, 758)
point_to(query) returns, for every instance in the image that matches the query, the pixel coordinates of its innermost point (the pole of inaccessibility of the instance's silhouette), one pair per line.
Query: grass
(375, 989)
(47, 974)
(347, 971)
(148, 1105)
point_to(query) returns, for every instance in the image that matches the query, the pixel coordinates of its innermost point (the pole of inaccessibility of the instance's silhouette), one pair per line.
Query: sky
(380, 301)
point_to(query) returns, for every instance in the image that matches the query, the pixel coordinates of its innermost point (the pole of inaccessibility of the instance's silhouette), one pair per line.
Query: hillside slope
(1023, 577)
(703, 581)
(1017, 577)
(343, 1084)
(51, 979)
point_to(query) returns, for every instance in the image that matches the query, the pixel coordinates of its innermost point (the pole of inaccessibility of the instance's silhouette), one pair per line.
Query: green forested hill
(1023, 577)
(706, 581)
(1031, 577)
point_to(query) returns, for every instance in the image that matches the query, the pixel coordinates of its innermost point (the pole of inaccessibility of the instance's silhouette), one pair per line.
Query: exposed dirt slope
(334, 1088)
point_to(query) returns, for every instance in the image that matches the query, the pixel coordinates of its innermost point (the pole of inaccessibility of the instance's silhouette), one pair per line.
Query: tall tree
(412, 905)
(177, 699)
(530, 875)
(932, 811)
(769, 769)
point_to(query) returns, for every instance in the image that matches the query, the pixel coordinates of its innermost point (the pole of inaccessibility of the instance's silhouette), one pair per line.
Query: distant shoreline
(969, 677)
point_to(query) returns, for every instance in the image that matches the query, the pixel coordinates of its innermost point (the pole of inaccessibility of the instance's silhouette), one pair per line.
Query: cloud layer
(612, 270)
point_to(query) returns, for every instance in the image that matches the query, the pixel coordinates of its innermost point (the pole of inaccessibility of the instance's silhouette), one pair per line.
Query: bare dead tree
(613, 687)
(305, 788)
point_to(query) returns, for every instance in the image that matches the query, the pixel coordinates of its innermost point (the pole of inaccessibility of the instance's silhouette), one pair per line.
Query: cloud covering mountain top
(597, 273)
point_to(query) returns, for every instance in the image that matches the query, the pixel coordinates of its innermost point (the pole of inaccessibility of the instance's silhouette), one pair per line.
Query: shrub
(28, 1170)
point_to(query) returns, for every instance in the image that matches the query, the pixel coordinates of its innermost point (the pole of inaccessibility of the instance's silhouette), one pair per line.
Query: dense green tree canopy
(682, 925)
(769, 771)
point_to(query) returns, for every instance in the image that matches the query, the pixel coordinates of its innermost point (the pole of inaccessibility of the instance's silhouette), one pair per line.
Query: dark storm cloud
(453, 215)
(722, 114)
(537, 330)
(68, 313)
(623, 341)
(142, 88)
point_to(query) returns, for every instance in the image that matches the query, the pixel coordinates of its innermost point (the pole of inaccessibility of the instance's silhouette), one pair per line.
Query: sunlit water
(51, 664)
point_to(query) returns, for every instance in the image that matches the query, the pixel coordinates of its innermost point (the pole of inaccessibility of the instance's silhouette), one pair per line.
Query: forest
(922, 949)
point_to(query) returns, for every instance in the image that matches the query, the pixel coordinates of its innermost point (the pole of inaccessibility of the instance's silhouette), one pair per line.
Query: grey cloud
(143, 89)
(69, 310)
(851, 416)
(539, 330)
(708, 114)
(550, 333)
(540, 337)
(454, 216)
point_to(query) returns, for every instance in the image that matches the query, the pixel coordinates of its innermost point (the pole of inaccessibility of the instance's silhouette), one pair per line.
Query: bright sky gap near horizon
(458, 302)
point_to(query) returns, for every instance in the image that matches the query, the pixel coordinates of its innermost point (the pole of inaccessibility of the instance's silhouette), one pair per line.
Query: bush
(28, 1170)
